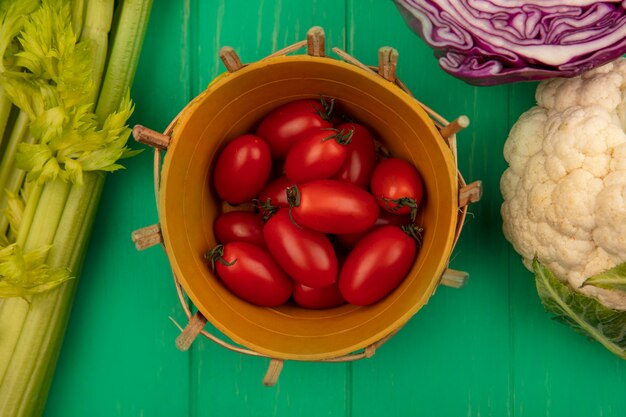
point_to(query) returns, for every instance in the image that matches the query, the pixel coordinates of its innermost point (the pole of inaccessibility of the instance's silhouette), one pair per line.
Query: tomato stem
(293, 198)
(342, 136)
(217, 255)
(402, 202)
(413, 231)
(266, 208)
(329, 109)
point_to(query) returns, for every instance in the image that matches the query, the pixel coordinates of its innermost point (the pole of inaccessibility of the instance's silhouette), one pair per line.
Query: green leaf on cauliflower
(584, 314)
(613, 279)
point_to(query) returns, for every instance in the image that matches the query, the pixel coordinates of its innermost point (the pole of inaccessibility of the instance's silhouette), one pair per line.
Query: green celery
(41, 233)
(128, 38)
(5, 112)
(9, 175)
(30, 361)
(49, 311)
(78, 16)
(99, 14)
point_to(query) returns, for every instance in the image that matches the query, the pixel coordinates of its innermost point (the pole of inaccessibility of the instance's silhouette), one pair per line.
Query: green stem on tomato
(400, 203)
(266, 208)
(413, 231)
(217, 255)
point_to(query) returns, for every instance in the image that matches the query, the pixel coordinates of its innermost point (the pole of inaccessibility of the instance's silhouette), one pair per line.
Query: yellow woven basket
(232, 105)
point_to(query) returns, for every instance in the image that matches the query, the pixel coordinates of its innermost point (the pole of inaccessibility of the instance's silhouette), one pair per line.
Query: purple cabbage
(502, 41)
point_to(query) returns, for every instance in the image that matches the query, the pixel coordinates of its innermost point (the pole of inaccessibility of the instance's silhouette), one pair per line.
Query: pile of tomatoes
(333, 222)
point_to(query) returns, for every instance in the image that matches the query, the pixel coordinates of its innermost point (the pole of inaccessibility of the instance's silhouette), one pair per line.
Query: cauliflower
(565, 189)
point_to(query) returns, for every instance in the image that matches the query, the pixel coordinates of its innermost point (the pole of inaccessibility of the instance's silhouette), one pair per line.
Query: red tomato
(287, 124)
(397, 186)
(384, 218)
(317, 298)
(307, 256)
(273, 196)
(318, 155)
(377, 265)
(239, 226)
(330, 206)
(361, 156)
(251, 273)
(242, 169)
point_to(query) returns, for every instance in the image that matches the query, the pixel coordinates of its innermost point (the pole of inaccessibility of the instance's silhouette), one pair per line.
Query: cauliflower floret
(601, 87)
(565, 189)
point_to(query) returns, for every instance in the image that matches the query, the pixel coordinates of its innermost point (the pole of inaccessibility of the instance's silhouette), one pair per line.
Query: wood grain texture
(487, 349)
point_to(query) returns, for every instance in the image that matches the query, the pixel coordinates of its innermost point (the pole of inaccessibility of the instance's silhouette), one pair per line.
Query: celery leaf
(51, 81)
(24, 274)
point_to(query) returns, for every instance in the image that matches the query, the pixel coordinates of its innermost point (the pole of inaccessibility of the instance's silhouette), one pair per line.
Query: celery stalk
(41, 233)
(5, 111)
(29, 214)
(10, 177)
(83, 202)
(78, 16)
(127, 41)
(7, 164)
(98, 19)
(29, 358)
(44, 327)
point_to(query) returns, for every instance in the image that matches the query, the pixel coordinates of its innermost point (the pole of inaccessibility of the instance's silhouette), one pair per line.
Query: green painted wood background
(488, 349)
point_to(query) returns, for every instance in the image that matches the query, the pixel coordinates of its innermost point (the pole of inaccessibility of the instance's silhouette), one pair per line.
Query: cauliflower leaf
(584, 314)
(613, 279)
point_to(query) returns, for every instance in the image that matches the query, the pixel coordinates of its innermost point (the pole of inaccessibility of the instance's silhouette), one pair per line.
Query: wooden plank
(453, 357)
(229, 383)
(257, 28)
(223, 382)
(119, 357)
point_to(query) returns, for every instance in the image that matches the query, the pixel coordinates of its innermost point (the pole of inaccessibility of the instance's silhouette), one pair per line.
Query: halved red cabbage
(501, 41)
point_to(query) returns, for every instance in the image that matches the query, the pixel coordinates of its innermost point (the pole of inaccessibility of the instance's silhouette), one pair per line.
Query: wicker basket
(232, 105)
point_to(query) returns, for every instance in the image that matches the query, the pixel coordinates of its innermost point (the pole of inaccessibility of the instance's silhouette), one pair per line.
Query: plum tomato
(377, 265)
(307, 256)
(317, 298)
(239, 226)
(397, 186)
(287, 124)
(318, 155)
(361, 156)
(251, 273)
(331, 206)
(384, 218)
(242, 169)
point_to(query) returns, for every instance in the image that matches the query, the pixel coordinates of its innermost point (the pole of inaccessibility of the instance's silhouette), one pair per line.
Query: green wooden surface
(488, 349)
